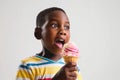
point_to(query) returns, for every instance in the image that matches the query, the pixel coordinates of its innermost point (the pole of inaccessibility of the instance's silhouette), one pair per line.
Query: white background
(95, 28)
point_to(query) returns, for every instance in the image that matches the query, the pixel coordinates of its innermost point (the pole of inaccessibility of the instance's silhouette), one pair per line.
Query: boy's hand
(67, 72)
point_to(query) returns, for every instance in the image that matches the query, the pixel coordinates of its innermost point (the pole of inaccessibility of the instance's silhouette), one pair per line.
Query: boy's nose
(62, 32)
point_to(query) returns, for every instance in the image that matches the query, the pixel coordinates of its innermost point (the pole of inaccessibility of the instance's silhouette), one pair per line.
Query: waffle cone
(68, 59)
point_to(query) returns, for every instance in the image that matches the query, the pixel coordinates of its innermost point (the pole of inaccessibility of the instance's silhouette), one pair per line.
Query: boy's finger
(71, 64)
(72, 76)
(73, 69)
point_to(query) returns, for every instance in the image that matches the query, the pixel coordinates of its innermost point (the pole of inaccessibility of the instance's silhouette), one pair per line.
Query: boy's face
(55, 31)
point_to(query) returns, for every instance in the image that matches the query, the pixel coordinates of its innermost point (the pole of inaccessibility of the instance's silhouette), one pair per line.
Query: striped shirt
(39, 68)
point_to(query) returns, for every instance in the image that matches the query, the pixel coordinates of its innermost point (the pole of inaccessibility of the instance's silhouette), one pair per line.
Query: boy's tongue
(60, 45)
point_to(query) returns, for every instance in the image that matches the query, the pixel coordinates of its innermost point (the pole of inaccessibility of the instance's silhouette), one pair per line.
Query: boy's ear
(37, 33)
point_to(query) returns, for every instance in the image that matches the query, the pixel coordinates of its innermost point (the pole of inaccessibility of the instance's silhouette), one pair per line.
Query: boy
(53, 29)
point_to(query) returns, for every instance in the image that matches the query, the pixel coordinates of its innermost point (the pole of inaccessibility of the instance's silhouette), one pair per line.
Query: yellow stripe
(31, 59)
(23, 74)
(39, 71)
(79, 76)
(45, 71)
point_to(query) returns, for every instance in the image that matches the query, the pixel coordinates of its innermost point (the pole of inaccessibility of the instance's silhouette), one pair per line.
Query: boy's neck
(47, 54)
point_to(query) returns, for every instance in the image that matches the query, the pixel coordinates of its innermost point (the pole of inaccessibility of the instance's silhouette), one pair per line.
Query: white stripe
(45, 76)
(22, 79)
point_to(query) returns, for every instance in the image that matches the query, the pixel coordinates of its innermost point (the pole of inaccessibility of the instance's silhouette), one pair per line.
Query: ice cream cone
(70, 53)
(68, 59)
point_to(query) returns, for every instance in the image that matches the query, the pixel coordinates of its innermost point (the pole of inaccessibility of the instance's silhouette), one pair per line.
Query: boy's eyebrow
(54, 19)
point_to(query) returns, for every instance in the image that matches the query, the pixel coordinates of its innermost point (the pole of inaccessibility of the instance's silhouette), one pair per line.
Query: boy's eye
(67, 27)
(54, 25)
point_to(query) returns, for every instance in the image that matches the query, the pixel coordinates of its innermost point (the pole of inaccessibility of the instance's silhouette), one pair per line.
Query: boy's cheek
(67, 40)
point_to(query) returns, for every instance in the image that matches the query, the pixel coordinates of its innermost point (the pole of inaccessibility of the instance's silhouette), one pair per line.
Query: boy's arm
(24, 73)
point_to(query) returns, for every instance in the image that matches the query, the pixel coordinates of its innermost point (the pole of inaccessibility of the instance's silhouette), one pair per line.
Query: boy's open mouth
(60, 43)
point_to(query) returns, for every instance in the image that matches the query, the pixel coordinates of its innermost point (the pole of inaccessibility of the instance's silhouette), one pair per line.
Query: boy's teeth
(61, 40)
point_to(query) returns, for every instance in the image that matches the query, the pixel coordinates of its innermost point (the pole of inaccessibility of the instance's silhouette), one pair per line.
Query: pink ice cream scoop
(71, 52)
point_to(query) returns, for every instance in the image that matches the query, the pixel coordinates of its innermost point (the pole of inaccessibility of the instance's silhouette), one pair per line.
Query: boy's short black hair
(40, 20)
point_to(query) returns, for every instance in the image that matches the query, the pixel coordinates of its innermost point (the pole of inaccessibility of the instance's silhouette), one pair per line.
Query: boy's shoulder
(31, 59)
